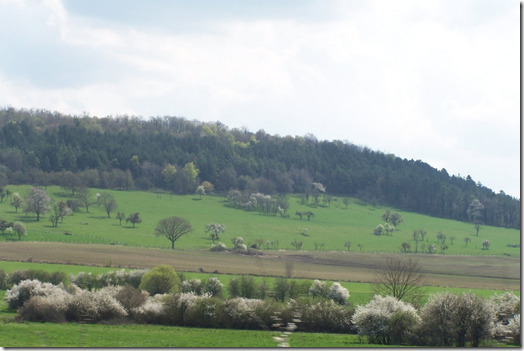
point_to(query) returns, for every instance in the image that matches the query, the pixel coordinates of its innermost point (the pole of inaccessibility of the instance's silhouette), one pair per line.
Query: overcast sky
(431, 80)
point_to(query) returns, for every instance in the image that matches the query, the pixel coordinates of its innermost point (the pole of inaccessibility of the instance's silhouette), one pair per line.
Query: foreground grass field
(333, 226)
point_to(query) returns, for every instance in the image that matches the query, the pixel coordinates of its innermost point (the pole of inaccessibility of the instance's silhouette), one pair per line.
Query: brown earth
(441, 270)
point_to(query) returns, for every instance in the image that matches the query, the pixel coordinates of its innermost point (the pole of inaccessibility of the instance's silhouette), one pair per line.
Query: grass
(332, 226)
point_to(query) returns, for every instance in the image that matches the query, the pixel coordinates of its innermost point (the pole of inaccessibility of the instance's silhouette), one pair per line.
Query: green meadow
(333, 226)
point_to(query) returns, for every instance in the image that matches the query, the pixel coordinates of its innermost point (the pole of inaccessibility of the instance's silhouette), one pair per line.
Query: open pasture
(333, 226)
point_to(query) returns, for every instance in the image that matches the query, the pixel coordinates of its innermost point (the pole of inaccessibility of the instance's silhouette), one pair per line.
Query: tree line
(176, 154)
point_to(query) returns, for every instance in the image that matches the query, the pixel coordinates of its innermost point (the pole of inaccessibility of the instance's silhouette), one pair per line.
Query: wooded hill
(177, 154)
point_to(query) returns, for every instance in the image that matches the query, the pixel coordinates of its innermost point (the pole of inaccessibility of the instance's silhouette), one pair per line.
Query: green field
(332, 225)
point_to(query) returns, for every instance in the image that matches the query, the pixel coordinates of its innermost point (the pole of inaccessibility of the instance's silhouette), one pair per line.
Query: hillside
(333, 226)
(175, 154)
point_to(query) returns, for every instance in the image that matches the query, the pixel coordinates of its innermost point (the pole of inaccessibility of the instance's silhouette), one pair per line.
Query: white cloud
(420, 79)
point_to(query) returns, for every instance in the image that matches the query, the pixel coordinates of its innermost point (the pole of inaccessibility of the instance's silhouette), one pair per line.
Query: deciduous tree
(173, 228)
(107, 202)
(401, 279)
(134, 218)
(37, 202)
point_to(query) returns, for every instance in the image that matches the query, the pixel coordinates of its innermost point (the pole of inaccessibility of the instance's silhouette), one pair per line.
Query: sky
(434, 80)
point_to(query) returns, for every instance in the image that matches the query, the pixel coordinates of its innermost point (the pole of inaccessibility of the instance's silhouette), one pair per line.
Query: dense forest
(42, 148)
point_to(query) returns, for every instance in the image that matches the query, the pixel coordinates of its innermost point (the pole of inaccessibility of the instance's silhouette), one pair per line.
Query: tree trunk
(173, 245)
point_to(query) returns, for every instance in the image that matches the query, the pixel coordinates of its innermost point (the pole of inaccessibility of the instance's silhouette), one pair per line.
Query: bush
(42, 309)
(214, 287)
(151, 312)
(130, 297)
(449, 319)
(218, 247)
(374, 320)
(4, 280)
(239, 313)
(175, 306)
(203, 313)
(318, 289)
(338, 293)
(36, 274)
(22, 292)
(84, 281)
(326, 316)
(135, 277)
(280, 289)
(234, 288)
(160, 280)
(193, 285)
(89, 306)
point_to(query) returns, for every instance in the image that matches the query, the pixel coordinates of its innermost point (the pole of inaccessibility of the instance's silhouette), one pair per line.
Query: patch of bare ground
(441, 270)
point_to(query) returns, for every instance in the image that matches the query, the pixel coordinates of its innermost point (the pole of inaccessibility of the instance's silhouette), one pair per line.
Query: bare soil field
(441, 270)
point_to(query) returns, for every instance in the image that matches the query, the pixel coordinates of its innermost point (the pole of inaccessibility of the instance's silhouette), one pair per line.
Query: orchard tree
(107, 202)
(200, 190)
(19, 229)
(37, 202)
(70, 181)
(120, 216)
(346, 201)
(379, 230)
(215, 229)
(347, 245)
(134, 218)
(475, 214)
(309, 214)
(467, 240)
(86, 197)
(209, 188)
(173, 228)
(386, 215)
(395, 219)
(16, 201)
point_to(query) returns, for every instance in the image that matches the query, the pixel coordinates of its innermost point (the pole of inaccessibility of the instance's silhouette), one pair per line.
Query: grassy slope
(332, 226)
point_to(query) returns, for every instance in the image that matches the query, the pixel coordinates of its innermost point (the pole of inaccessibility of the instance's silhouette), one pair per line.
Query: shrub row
(447, 319)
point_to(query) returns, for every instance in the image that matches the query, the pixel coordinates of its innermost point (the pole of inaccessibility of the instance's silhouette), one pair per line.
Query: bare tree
(85, 197)
(70, 181)
(347, 245)
(173, 228)
(401, 279)
(107, 202)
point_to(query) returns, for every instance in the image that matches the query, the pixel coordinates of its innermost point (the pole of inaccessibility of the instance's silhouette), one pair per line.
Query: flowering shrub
(239, 313)
(318, 289)
(130, 297)
(202, 313)
(448, 319)
(151, 312)
(218, 247)
(193, 285)
(374, 319)
(514, 328)
(326, 316)
(94, 306)
(338, 293)
(22, 292)
(214, 286)
(44, 309)
(505, 306)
